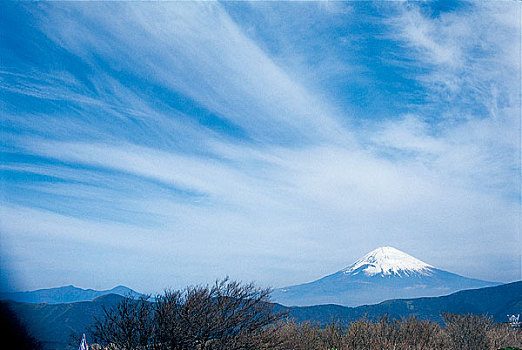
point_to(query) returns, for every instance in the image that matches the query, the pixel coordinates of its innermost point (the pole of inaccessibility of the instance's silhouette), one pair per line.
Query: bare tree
(234, 316)
(227, 315)
(127, 326)
(468, 332)
(168, 320)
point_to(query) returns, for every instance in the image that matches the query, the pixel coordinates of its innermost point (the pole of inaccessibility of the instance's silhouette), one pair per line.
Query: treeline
(463, 332)
(234, 316)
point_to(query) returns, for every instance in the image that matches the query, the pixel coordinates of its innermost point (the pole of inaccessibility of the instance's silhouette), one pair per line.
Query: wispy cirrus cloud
(176, 130)
(163, 48)
(470, 56)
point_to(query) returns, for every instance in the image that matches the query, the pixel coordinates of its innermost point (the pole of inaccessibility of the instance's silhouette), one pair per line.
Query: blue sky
(163, 144)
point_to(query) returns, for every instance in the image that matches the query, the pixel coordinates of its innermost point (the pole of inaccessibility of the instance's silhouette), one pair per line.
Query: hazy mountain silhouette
(53, 324)
(67, 294)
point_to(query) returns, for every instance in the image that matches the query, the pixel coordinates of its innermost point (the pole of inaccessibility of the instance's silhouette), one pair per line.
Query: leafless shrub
(468, 332)
(128, 325)
(502, 335)
(358, 335)
(291, 335)
(333, 335)
(233, 316)
(225, 316)
(385, 333)
(460, 332)
(415, 334)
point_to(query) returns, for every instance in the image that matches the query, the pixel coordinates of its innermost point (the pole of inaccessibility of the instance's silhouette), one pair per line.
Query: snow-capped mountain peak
(385, 273)
(385, 261)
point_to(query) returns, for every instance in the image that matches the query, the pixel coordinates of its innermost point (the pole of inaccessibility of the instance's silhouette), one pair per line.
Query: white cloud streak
(303, 198)
(163, 46)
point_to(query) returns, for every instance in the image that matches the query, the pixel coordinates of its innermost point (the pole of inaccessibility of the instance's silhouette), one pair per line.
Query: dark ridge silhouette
(14, 332)
(54, 323)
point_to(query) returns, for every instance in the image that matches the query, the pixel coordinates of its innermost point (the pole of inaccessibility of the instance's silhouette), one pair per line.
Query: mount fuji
(384, 273)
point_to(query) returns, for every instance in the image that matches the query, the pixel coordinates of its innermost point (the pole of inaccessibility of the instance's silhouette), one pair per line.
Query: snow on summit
(383, 274)
(389, 261)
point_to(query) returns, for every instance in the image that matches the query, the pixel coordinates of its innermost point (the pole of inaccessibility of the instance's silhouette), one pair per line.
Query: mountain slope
(52, 324)
(55, 324)
(385, 273)
(495, 301)
(67, 294)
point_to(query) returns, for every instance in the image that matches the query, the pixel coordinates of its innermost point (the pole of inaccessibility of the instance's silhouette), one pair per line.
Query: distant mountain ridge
(53, 324)
(66, 294)
(384, 273)
(496, 302)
